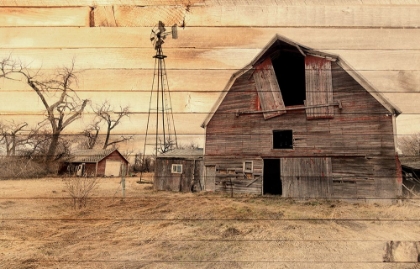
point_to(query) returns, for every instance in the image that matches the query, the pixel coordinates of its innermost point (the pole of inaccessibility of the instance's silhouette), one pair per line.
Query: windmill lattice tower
(160, 104)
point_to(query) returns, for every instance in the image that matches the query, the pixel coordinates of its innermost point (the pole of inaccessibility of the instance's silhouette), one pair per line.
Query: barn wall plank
(66, 16)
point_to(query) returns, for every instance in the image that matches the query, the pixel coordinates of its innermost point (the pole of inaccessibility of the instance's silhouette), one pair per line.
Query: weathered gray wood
(210, 177)
(179, 182)
(268, 89)
(306, 177)
(318, 87)
(362, 128)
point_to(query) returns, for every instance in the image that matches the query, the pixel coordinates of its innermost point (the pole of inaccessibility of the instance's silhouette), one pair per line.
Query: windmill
(160, 104)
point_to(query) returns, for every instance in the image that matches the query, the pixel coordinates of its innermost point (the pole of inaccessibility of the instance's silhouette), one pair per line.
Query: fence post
(123, 171)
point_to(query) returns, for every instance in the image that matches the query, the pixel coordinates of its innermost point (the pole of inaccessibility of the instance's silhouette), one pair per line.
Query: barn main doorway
(272, 177)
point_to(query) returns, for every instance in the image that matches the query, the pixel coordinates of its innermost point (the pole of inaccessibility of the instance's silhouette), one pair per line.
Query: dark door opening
(272, 179)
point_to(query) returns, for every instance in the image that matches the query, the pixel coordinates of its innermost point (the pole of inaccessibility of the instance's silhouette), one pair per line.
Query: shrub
(20, 167)
(80, 189)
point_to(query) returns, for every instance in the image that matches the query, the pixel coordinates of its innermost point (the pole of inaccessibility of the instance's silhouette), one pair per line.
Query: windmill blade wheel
(154, 36)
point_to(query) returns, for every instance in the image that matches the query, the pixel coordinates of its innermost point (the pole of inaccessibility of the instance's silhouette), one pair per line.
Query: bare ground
(40, 229)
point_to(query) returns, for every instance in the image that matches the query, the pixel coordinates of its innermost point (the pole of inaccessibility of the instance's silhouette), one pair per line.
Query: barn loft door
(268, 90)
(318, 88)
(306, 177)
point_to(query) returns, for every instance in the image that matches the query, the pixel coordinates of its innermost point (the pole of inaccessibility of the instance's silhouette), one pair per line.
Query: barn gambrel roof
(272, 45)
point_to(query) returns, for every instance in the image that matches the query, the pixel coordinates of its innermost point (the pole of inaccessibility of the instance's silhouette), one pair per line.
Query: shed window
(176, 168)
(248, 166)
(282, 139)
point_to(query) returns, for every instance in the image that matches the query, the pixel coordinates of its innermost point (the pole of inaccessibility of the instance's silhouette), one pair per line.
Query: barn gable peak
(279, 44)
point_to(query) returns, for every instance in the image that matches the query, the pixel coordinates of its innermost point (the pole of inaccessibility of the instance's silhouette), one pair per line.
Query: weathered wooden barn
(92, 162)
(301, 123)
(179, 170)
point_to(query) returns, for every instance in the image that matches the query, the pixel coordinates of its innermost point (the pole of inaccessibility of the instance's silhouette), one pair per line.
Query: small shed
(179, 170)
(95, 162)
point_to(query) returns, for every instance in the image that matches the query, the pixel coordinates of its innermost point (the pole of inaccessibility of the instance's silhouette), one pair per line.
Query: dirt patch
(39, 228)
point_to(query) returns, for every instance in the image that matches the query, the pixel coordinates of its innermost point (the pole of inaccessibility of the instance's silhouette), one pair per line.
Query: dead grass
(20, 168)
(149, 229)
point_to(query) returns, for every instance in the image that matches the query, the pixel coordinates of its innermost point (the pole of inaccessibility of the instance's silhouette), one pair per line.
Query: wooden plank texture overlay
(109, 43)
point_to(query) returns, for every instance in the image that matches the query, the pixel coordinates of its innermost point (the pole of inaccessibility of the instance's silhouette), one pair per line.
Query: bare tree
(91, 132)
(8, 67)
(410, 145)
(191, 145)
(112, 119)
(10, 137)
(38, 143)
(168, 145)
(80, 189)
(61, 102)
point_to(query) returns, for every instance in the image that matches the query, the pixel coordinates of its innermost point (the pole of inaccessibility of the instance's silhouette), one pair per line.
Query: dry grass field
(39, 228)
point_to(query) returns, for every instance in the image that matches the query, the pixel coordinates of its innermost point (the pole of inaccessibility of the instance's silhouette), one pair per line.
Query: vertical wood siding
(268, 89)
(186, 181)
(306, 177)
(318, 87)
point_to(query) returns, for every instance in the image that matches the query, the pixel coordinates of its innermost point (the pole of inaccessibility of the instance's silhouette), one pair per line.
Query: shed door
(112, 168)
(210, 178)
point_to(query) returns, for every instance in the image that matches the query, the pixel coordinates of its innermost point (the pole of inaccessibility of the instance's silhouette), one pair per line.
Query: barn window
(248, 166)
(289, 67)
(176, 168)
(282, 139)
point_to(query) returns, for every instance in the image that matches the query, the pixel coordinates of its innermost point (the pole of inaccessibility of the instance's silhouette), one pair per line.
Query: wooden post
(123, 170)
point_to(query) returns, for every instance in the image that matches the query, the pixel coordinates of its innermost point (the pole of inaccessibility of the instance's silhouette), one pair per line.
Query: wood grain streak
(213, 38)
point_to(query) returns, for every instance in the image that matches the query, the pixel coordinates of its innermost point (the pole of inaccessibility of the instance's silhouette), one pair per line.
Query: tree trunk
(106, 139)
(14, 145)
(52, 148)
